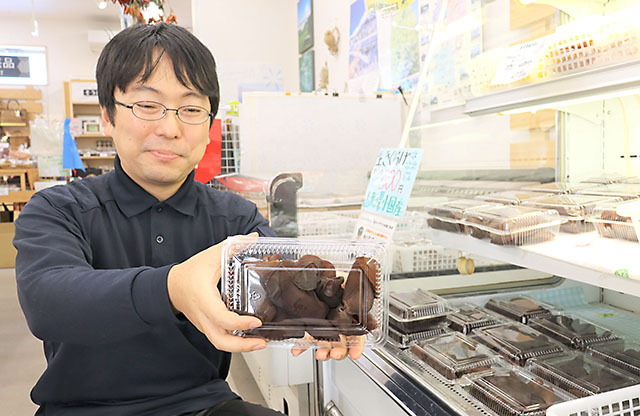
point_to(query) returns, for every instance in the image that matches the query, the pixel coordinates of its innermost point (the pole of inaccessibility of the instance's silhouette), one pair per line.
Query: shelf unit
(80, 100)
(586, 257)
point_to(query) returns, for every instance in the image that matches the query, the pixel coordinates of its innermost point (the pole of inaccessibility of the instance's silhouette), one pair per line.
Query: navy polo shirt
(92, 265)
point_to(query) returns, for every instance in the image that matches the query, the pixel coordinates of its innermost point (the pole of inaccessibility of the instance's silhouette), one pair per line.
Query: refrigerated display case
(517, 89)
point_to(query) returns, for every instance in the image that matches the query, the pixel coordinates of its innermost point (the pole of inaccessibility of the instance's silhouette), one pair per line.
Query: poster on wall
(450, 80)
(363, 49)
(305, 25)
(399, 46)
(307, 81)
(23, 65)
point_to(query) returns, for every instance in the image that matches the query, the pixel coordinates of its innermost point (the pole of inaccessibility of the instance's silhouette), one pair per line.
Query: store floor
(22, 360)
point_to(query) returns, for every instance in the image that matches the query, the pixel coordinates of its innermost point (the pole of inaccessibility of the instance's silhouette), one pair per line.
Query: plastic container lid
(307, 288)
(454, 355)
(571, 330)
(470, 317)
(622, 190)
(609, 178)
(514, 197)
(403, 340)
(574, 208)
(513, 224)
(580, 374)
(453, 209)
(623, 354)
(558, 187)
(417, 310)
(519, 308)
(610, 224)
(513, 392)
(516, 342)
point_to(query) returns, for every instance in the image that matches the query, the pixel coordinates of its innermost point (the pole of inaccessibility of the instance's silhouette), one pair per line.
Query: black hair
(136, 51)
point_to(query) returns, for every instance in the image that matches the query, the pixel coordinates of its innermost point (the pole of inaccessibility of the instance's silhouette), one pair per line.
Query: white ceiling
(86, 9)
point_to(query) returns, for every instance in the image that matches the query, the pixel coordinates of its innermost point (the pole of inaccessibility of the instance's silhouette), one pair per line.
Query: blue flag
(70, 156)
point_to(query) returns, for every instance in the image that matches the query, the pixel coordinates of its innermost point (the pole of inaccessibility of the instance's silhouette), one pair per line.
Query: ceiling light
(102, 4)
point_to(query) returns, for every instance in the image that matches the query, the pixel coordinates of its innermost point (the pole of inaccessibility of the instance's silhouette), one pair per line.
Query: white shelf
(583, 257)
(606, 80)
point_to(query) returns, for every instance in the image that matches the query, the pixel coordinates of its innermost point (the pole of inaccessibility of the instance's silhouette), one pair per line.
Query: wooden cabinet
(81, 101)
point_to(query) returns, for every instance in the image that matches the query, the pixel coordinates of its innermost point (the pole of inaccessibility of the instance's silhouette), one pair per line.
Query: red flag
(210, 165)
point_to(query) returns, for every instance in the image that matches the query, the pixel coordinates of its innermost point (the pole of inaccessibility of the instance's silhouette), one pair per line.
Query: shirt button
(159, 239)
(159, 209)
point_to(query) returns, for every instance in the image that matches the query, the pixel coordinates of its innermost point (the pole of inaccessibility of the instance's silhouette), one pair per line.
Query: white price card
(519, 62)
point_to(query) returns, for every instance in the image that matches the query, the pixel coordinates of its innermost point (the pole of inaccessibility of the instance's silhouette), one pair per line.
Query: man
(118, 274)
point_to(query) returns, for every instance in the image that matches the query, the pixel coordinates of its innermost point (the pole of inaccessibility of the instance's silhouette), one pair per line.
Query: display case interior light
(561, 104)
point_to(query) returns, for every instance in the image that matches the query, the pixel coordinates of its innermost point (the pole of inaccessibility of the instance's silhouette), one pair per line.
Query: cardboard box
(7, 251)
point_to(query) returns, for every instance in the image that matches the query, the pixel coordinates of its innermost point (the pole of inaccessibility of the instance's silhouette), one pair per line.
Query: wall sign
(23, 65)
(14, 66)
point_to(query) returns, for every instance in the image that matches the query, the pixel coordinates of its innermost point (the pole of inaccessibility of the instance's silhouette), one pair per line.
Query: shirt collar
(132, 199)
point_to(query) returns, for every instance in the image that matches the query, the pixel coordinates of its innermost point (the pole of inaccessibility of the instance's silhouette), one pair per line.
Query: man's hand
(192, 287)
(352, 346)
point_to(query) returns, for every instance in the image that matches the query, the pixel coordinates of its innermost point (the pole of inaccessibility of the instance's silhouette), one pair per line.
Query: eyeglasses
(151, 111)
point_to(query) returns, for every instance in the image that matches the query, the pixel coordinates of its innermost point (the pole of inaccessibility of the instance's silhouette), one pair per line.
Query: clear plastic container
(559, 187)
(622, 190)
(610, 224)
(512, 225)
(515, 197)
(513, 392)
(470, 317)
(448, 216)
(417, 310)
(519, 308)
(623, 354)
(307, 288)
(516, 342)
(580, 374)
(402, 340)
(571, 330)
(454, 356)
(575, 209)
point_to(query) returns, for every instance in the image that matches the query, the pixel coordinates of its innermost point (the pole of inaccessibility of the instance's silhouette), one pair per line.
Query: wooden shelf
(16, 196)
(92, 136)
(87, 103)
(97, 157)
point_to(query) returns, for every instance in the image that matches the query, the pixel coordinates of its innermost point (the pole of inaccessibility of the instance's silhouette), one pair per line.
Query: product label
(519, 62)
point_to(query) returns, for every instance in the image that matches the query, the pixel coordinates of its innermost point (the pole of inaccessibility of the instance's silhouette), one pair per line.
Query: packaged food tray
(580, 374)
(454, 355)
(417, 310)
(516, 342)
(307, 288)
(610, 224)
(575, 209)
(518, 308)
(559, 187)
(448, 216)
(623, 354)
(513, 197)
(572, 331)
(513, 392)
(512, 225)
(469, 317)
(622, 190)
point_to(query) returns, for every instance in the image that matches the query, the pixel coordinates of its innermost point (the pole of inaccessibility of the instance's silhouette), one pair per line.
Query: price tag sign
(519, 62)
(389, 188)
(391, 181)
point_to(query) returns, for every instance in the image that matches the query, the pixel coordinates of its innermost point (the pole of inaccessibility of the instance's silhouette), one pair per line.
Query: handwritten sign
(519, 62)
(391, 181)
(14, 66)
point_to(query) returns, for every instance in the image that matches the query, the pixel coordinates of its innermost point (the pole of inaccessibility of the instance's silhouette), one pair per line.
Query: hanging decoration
(136, 9)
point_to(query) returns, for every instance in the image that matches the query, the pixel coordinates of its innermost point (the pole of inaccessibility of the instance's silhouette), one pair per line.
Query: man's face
(158, 155)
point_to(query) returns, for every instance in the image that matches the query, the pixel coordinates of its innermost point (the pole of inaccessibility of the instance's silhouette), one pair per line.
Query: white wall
(328, 14)
(247, 37)
(68, 54)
